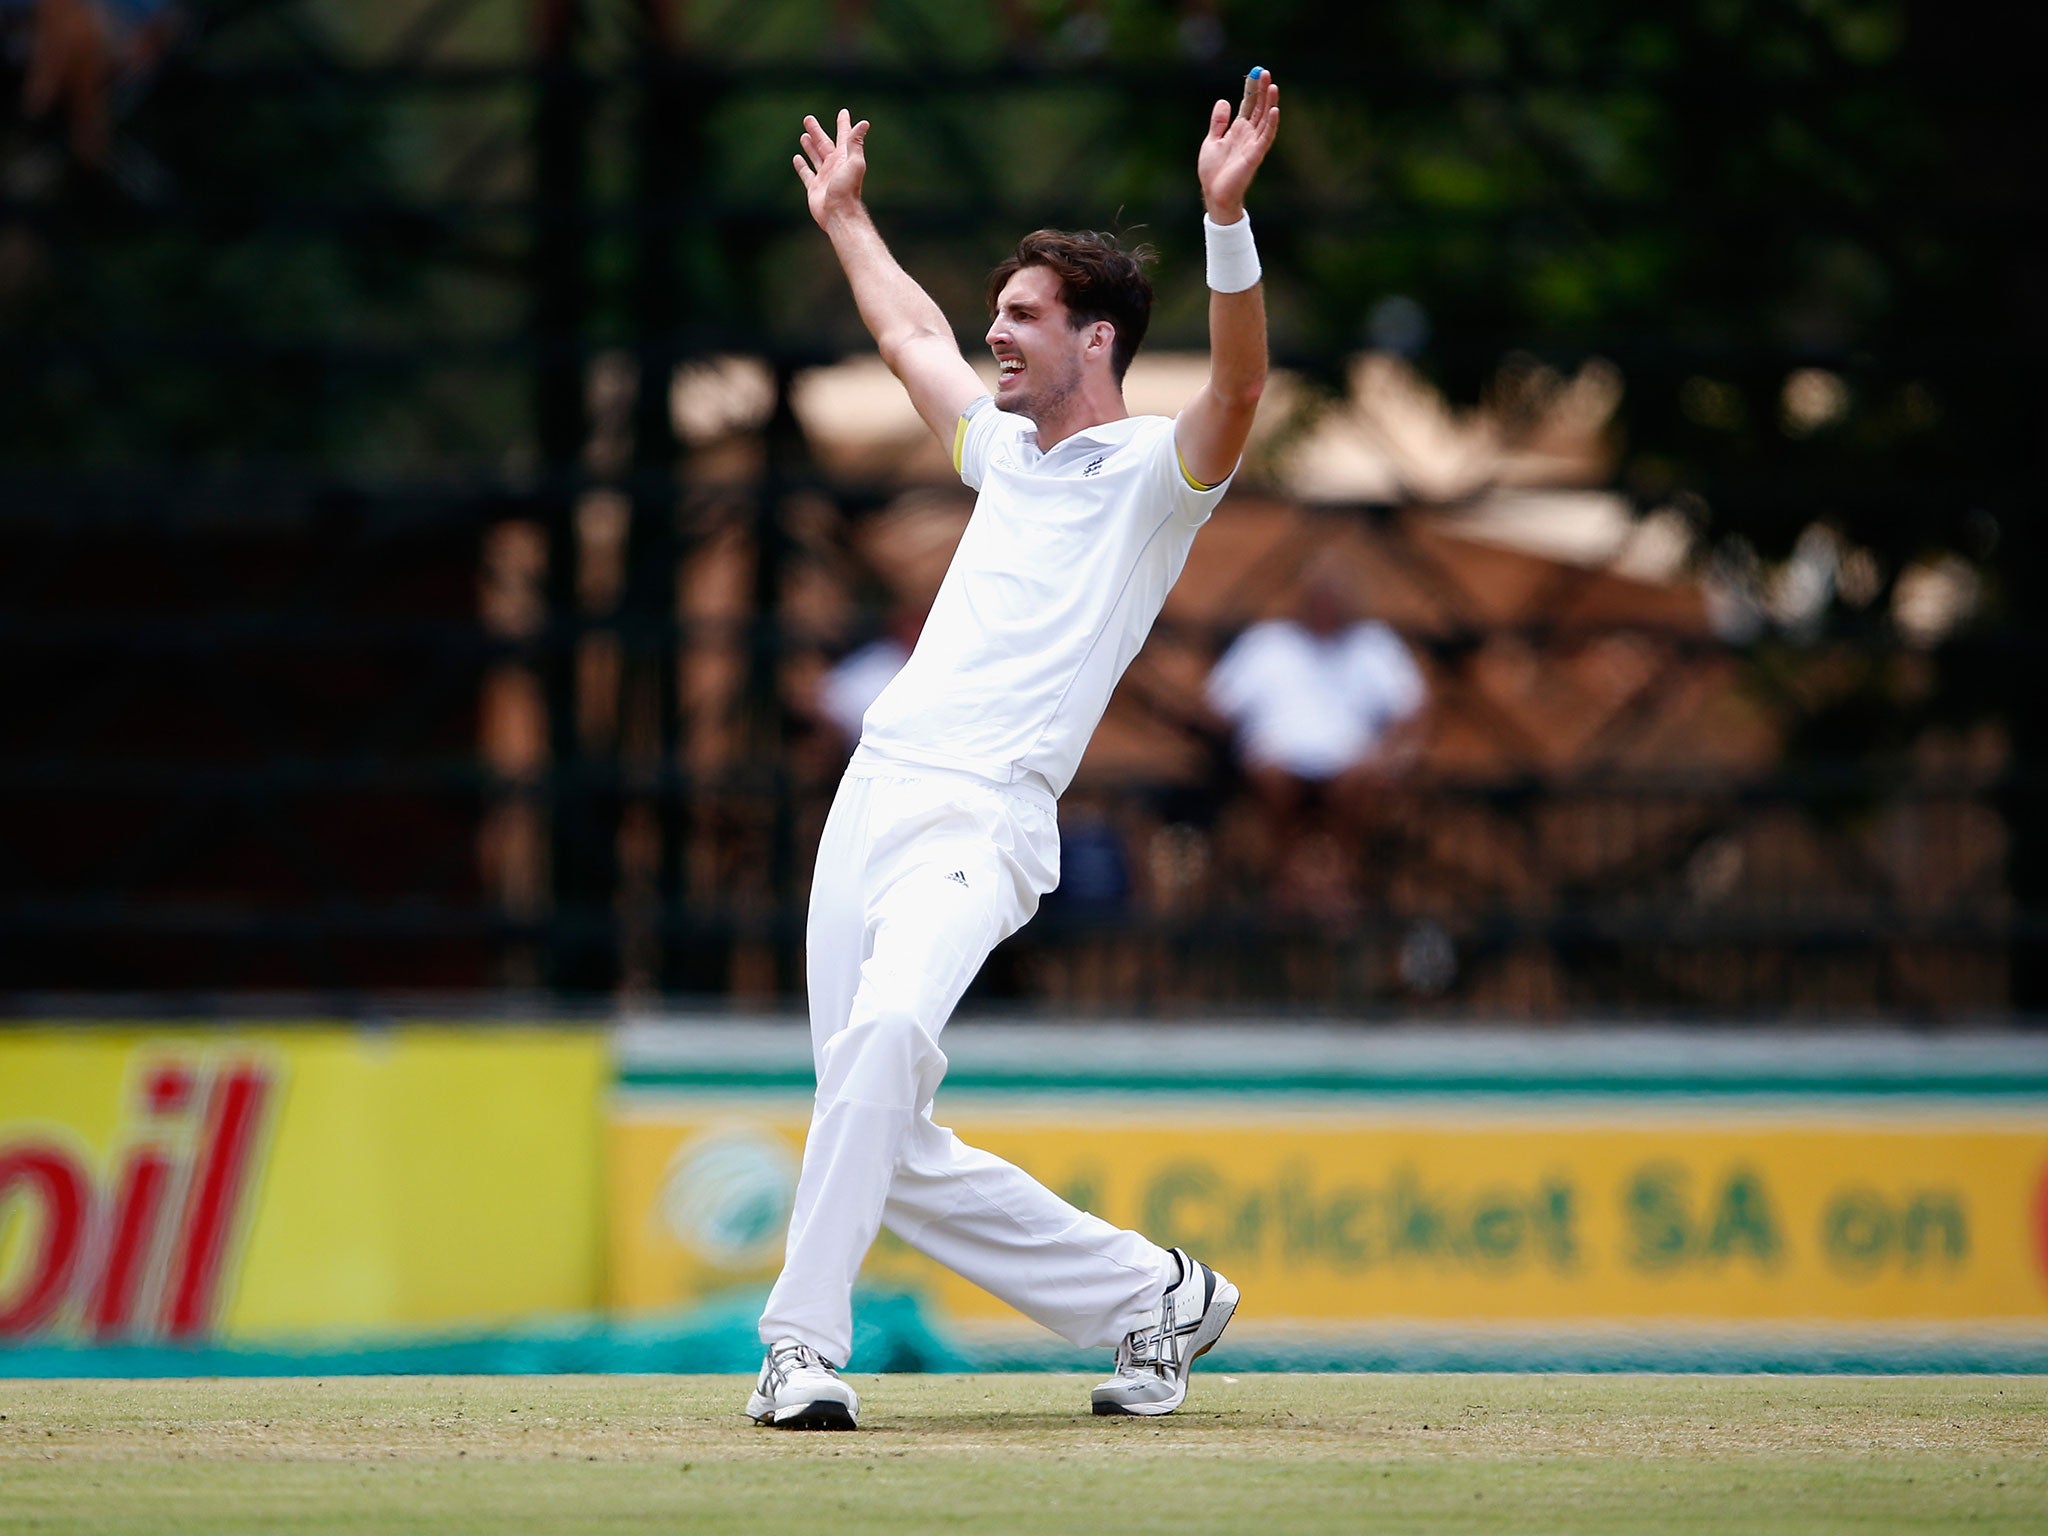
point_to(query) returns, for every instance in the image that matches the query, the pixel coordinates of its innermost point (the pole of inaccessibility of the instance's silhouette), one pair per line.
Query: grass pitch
(1021, 1454)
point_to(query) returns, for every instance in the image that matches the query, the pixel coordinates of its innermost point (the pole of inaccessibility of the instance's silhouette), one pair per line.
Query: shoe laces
(788, 1357)
(1154, 1349)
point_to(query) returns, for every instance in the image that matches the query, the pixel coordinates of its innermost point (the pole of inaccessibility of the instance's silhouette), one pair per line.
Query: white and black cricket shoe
(800, 1389)
(1153, 1362)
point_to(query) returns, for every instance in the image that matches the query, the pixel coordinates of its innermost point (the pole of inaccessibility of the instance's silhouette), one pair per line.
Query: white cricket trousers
(921, 872)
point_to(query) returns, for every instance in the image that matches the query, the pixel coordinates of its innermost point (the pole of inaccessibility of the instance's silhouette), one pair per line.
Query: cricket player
(942, 837)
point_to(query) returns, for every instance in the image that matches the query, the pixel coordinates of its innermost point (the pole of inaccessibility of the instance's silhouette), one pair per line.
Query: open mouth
(1007, 368)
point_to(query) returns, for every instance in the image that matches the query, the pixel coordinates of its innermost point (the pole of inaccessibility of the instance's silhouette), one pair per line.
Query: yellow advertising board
(238, 1185)
(1338, 1216)
(251, 1186)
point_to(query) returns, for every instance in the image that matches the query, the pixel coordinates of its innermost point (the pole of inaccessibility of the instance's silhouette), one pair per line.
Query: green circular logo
(727, 1195)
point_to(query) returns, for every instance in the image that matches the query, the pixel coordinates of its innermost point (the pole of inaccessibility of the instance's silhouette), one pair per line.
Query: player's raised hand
(832, 168)
(1232, 152)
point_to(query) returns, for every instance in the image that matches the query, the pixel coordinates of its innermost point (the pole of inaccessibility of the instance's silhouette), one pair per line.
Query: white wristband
(1233, 259)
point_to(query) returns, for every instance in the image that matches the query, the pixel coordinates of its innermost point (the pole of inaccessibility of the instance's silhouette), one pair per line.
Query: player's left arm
(1211, 429)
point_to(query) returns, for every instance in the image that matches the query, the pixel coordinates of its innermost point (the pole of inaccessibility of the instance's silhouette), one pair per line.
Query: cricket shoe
(1153, 1362)
(800, 1389)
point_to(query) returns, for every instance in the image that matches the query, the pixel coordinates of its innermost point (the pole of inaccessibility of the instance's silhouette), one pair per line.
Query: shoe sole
(815, 1416)
(1222, 1307)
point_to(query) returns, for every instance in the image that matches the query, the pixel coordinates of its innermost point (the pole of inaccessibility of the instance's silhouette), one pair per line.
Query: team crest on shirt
(1094, 466)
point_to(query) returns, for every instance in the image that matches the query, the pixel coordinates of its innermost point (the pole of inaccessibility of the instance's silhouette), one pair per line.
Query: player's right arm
(908, 327)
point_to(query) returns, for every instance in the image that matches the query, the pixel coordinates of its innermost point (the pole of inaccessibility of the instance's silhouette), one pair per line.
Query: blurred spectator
(79, 50)
(857, 679)
(1324, 709)
(1095, 871)
(901, 558)
(1081, 952)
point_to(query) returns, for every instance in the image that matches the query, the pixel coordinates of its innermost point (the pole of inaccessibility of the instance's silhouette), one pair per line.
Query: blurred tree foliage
(251, 278)
(1794, 223)
(1798, 226)
(144, 320)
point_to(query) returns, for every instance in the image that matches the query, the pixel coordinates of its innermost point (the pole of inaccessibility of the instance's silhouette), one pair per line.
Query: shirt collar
(1104, 434)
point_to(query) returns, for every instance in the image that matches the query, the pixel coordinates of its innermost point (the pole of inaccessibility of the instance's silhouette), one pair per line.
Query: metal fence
(374, 629)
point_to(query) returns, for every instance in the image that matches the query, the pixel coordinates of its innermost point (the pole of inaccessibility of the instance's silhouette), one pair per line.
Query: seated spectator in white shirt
(857, 679)
(1324, 709)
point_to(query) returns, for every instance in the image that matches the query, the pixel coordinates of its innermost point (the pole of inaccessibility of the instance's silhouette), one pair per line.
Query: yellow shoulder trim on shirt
(959, 442)
(1185, 475)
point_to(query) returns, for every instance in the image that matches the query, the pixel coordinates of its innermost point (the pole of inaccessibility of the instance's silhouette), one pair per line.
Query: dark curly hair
(1099, 280)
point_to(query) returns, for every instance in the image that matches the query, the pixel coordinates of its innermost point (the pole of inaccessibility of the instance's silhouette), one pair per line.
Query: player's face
(1037, 350)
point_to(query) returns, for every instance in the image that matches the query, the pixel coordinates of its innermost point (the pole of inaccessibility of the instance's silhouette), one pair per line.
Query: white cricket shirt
(1063, 568)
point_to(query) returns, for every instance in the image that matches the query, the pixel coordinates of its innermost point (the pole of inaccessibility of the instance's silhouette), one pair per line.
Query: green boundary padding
(892, 1332)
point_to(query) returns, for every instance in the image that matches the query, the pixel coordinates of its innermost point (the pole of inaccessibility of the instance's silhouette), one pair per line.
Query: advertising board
(1642, 1201)
(229, 1185)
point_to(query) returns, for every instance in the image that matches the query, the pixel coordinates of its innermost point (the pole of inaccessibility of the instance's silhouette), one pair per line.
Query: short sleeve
(1193, 500)
(977, 434)
(1388, 673)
